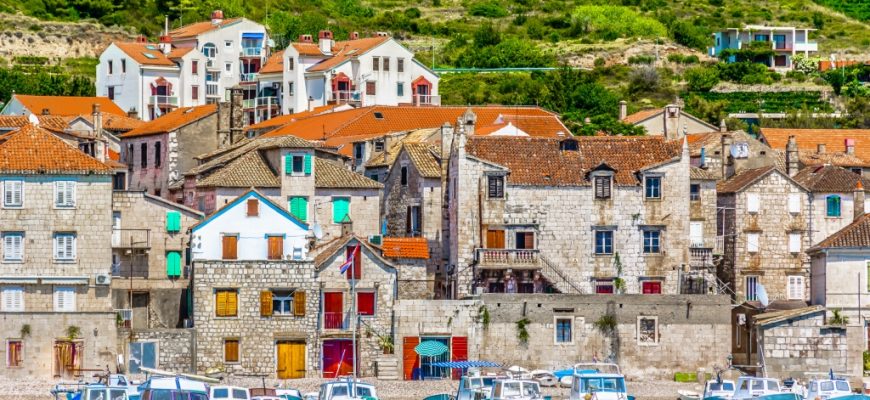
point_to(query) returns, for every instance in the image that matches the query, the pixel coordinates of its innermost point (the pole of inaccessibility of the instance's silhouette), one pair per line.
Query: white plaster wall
(127, 89)
(844, 281)
(823, 225)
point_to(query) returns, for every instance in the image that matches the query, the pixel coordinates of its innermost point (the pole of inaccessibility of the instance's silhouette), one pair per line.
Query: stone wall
(364, 211)
(175, 347)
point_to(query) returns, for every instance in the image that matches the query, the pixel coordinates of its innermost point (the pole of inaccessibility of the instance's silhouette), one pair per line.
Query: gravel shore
(387, 390)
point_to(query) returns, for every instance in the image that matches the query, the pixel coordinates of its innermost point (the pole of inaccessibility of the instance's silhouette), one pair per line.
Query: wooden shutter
(299, 208)
(230, 247)
(459, 352)
(253, 207)
(365, 303)
(410, 361)
(299, 303)
(266, 303)
(173, 264)
(220, 303)
(232, 303)
(231, 350)
(307, 164)
(495, 239)
(276, 247)
(173, 221)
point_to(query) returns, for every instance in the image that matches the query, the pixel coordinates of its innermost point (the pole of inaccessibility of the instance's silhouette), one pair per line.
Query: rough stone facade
(175, 347)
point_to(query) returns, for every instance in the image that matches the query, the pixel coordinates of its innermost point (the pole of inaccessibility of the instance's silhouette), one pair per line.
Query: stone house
(573, 215)
(649, 336)
(763, 223)
(150, 274)
(837, 197)
(411, 256)
(839, 273)
(671, 121)
(56, 220)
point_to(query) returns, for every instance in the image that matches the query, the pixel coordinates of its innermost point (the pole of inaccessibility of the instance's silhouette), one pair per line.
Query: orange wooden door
(495, 239)
(410, 360)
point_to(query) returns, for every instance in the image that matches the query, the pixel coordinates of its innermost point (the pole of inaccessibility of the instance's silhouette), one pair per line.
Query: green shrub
(611, 22)
(701, 78)
(676, 58)
(641, 59)
(691, 59)
(867, 361)
(489, 9)
(796, 76)
(599, 62)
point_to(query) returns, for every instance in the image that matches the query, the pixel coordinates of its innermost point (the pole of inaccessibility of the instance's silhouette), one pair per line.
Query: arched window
(833, 206)
(209, 49)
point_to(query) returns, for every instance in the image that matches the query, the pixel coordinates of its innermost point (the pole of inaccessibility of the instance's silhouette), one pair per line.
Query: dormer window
(379, 146)
(495, 187)
(653, 187)
(602, 186)
(569, 145)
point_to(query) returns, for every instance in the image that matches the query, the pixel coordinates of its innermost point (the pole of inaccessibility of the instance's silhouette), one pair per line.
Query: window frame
(217, 291)
(792, 247)
(301, 160)
(10, 185)
(656, 331)
(238, 342)
(652, 187)
(20, 251)
(56, 244)
(750, 295)
(20, 361)
(556, 335)
(347, 214)
(753, 203)
(400, 89)
(750, 247)
(799, 283)
(496, 192)
(694, 192)
(158, 155)
(836, 201)
(67, 190)
(604, 246)
(374, 310)
(67, 306)
(652, 244)
(604, 191)
(10, 290)
(290, 293)
(794, 203)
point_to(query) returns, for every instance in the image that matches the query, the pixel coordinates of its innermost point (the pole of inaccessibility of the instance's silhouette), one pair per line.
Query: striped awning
(466, 364)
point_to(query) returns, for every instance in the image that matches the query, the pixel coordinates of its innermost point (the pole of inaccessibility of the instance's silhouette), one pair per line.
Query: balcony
(508, 258)
(249, 103)
(345, 97)
(212, 65)
(251, 52)
(131, 238)
(427, 100)
(268, 102)
(700, 257)
(248, 78)
(170, 101)
(211, 89)
(806, 46)
(335, 321)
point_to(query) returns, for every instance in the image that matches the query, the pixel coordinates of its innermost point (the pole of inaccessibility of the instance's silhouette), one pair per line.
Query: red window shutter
(652, 287)
(459, 348)
(356, 268)
(409, 357)
(365, 303)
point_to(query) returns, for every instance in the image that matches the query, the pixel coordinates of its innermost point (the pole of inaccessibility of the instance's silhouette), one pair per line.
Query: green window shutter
(173, 221)
(308, 164)
(288, 164)
(173, 264)
(340, 208)
(299, 208)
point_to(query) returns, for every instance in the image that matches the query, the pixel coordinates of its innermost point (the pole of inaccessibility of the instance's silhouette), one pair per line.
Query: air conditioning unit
(376, 240)
(103, 279)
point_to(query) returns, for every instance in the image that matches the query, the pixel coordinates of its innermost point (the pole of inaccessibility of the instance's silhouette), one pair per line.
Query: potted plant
(386, 343)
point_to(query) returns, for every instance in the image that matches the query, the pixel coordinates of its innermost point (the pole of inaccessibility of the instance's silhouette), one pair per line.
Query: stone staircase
(558, 278)
(388, 367)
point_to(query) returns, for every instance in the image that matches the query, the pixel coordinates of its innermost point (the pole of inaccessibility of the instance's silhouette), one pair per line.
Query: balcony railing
(513, 258)
(335, 321)
(211, 89)
(250, 77)
(427, 100)
(249, 103)
(700, 257)
(345, 96)
(164, 100)
(251, 52)
(131, 238)
(268, 101)
(806, 46)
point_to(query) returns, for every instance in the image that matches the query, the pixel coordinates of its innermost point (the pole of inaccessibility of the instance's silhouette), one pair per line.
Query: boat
(347, 388)
(473, 386)
(544, 377)
(89, 391)
(713, 389)
(289, 394)
(749, 387)
(603, 381)
(829, 387)
(166, 387)
(515, 389)
(229, 393)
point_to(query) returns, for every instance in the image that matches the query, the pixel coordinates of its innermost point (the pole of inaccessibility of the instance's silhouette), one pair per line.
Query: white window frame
(696, 233)
(10, 186)
(753, 203)
(71, 256)
(794, 242)
(291, 294)
(794, 203)
(64, 194)
(753, 242)
(12, 299)
(656, 331)
(746, 280)
(795, 287)
(556, 320)
(228, 44)
(64, 298)
(11, 254)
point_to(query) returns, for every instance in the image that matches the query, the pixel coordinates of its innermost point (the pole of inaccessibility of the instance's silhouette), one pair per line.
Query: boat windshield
(843, 386)
(531, 390)
(723, 386)
(163, 394)
(220, 394)
(510, 389)
(476, 383)
(826, 386)
(362, 391)
(117, 394)
(591, 385)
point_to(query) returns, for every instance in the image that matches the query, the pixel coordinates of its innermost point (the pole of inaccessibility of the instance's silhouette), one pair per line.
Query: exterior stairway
(388, 367)
(558, 278)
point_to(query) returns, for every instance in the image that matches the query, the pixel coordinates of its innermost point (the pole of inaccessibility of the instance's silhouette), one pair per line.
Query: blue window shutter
(173, 264)
(340, 207)
(173, 221)
(833, 206)
(288, 164)
(308, 164)
(299, 208)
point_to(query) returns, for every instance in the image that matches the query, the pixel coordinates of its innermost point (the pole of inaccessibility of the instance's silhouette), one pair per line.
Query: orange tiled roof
(743, 180)
(412, 247)
(282, 120)
(111, 122)
(179, 52)
(32, 150)
(641, 115)
(307, 49)
(172, 121)
(114, 155)
(341, 128)
(809, 139)
(145, 53)
(67, 105)
(49, 122)
(274, 64)
(346, 50)
(197, 28)
(856, 234)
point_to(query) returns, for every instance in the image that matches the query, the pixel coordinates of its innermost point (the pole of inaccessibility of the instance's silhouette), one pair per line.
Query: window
(651, 287)
(604, 286)
(795, 287)
(652, 241)
(858, 171)
(142, 354)
(653, 187)
(64, 247)
(602, 187)
(194, 67)
(386, 63)
(231, 350)
(291, 62)
(290, 91)
(226, 302)
(130, 154)
(525, 240)
(751, 288)
(414, 221)
(158, 157)
(64, 299)
(13, 193)
(110, 93)
(794, 243)
(123, 65)
(230, 247)
(647, 331)
(65, 194)
(603, 242)
(404, 176)
(400, 89)
(297, 164)
(340, 209)
(173, 221)
(379, 146)
(228, 67)
(400, 64)
(144, 154)
(173, 264)
(13, 246)
(371, 88)
(299, 208)
(14, 353)
(752, 202)
(209, 50)
(194, 92)
(275, 247)
(694, 192)
(752, 242)
(495, 186)
(282, 302)
(365, 303)
(110, 67)
(794, 203)
(696, 234)
(253, 207)
(564, 332)
(833, 206)
(12, 299)
(376, 63)
(228, 44)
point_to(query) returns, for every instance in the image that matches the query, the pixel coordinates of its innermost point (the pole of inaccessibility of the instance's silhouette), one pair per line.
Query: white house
(251, 227)
(840, 271)
(359, 71)
(192, 65)
(785, 41)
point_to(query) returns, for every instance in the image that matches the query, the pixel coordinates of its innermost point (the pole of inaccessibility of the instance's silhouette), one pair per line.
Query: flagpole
(353, 316)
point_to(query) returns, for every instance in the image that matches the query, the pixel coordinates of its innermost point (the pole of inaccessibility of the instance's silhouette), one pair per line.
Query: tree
(836, 78)
(701, 79)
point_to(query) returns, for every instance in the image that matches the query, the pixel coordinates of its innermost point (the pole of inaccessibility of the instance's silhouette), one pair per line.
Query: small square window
(604, 286)
(13, 246)
(282, 302)
(226, 302)
(495, 186)
(64, 299)
(602, 187)
(653, 187)
(603, 242)
(231, 350)
(365, 302)
(228, 43)
(12, 299)
(13, 193)
(647, 331)
(14, 353)
(564, 330)
(652, 241)
(694, 192)
(298, 164)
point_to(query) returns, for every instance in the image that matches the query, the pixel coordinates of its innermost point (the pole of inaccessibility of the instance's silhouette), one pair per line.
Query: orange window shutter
(265, 303)
(299, 303)
(221, 303)
(231, 350)
(232, 303)
(253, 207)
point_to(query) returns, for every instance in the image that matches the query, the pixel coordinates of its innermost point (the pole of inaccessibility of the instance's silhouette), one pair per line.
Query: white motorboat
(603, 381)
(722, 389)
(828, 388)
(229, 393)
(515, 389)
(749, 387)
(346, 389)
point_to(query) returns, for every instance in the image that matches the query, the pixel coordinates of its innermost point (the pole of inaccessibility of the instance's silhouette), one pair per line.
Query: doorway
(140, 309)
(68, 358)
(291, 360)
(337, 358)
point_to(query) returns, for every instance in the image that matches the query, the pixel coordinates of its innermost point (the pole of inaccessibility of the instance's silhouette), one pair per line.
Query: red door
(410, 361)
(337, 358)
(459, 348)
(333, 307)
(652, 287)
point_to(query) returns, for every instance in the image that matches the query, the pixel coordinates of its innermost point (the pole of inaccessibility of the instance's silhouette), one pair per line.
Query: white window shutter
(58, 193)
(752, 242)
(752, 202)
(794, 242)
(71, 193)
(696, 232)
(71, 247)
(7, 192)
(794, 203)
(7, 247)
(795, 287)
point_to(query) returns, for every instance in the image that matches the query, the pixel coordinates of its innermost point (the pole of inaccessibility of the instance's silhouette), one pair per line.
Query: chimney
(324, 40)
(230, 118)
(850, 146)
(820, 148)
(165, 44)
(132, 113)
(217, 17)
(446, 140)
(791, 156)
(305, 39)
(724, 153)
(623, 110)
(382, 34)
(46, 111)
(467, 121)
(858, 199)
(672, 121)
(98, 120)
(722, 126)
(354, 35)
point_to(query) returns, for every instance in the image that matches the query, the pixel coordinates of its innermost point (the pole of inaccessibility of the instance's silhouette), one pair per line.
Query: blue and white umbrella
(431, 348)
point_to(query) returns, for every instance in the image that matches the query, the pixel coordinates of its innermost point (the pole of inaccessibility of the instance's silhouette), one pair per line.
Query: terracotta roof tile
(179, 52)
(388, 157)
(743, 180)
(275, 63)
(809, 139)
(197, 28)
(111, 122)
(67, 105)
(856, 234)
(222, 157)
(703, 174)
(249, 170)
(830, 179)
(308, 49)
(328, 174)
(32, 150)
(424, 156)
(842, 159)
(413, 247)
(172, 121)
(642, 115)
(346, 50)
(282, 120)
(145, 54)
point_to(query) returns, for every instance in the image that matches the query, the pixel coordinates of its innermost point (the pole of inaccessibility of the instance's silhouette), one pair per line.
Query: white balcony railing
(700, 258)
(248, 78)
(164, 100)
(267, 101)
(345, 96)
(249, 103)
(807, 46)
(211, 89)
(427, 100)
(251, 52)
(508, 257)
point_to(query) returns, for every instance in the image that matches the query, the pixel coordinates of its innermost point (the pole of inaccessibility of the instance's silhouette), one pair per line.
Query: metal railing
(249, 103)
(251, 52)
(250, 77)
(211, 89)
(508, 257)
(164, 100)
(345, 96)
(123, 238)
(558, 278)
(268, 101)
(427, 100)
(335, 321)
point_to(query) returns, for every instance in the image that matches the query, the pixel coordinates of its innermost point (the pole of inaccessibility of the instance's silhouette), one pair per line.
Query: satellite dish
(33, 119)
(318, 233)
(762, 294)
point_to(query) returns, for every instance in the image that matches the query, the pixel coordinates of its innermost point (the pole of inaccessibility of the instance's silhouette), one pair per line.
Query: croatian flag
(349, 263)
